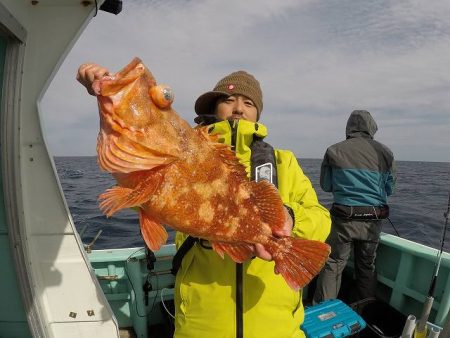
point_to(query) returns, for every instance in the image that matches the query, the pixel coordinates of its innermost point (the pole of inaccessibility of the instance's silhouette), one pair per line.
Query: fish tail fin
(298, 260)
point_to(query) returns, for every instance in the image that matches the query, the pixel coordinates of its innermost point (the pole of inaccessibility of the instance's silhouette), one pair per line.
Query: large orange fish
(184, 178)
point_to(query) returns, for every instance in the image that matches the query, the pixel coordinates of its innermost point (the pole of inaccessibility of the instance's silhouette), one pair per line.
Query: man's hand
(286, 231)
(88, 73)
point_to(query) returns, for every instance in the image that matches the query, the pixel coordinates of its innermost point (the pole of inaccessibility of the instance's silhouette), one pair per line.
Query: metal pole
(421, 325)
(434, 332)
(409, 327)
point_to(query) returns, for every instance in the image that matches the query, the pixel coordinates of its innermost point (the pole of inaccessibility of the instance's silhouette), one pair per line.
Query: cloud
(316, 61)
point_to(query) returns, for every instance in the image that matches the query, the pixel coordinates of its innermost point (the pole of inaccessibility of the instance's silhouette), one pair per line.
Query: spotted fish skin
(184, 178)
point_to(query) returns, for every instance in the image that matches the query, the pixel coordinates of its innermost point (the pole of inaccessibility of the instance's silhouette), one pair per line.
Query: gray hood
(360, 124)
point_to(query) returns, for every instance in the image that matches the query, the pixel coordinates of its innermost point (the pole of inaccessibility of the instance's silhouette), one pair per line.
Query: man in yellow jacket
(217, 297)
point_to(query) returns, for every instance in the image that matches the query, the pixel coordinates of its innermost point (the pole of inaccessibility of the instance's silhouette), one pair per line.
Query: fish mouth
(110, 85)
(135, 64)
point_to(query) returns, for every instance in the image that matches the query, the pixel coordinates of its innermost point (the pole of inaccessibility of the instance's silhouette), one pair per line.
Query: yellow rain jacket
(205, 288)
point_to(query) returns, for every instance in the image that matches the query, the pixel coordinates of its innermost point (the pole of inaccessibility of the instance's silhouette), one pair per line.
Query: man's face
(236, 107)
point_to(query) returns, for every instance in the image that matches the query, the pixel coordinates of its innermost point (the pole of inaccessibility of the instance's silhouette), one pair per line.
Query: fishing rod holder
(88, 247)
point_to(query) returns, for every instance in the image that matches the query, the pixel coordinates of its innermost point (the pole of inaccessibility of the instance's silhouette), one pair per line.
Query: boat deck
(404, 269)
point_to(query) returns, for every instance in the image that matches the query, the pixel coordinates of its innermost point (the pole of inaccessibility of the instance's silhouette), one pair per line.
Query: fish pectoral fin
(269, 203)
(153, 232)
(114, 199)
(238, 252)
(119, 153)
(117, 198)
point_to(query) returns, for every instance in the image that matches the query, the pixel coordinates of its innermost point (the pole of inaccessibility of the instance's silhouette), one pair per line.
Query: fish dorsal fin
(269, 203)
(118, 153)
(203, 132)
(223, 151)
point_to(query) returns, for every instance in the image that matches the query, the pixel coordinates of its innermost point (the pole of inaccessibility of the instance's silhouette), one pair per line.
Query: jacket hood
(361, 124)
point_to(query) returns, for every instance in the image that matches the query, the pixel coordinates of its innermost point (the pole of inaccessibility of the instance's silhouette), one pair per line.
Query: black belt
(360, 212)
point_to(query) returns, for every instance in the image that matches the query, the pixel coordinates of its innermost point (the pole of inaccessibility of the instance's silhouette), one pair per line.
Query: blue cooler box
(330, 319)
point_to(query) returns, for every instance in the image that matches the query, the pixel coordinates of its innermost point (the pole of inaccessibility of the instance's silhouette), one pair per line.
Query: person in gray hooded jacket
(361, 173)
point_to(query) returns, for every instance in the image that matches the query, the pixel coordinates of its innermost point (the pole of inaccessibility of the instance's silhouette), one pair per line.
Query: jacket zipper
(239, 270)
(239, 302)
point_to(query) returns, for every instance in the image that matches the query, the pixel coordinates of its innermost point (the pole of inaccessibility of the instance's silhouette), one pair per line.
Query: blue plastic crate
(330, 319)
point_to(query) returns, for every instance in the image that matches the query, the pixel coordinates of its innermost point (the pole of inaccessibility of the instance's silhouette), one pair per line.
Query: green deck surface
(122, 274)
(405, 270)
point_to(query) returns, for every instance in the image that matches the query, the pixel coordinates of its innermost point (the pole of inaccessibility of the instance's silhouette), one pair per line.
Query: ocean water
(416, 209)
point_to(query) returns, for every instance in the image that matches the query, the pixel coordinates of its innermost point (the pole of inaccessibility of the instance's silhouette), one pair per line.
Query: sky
(317, 61)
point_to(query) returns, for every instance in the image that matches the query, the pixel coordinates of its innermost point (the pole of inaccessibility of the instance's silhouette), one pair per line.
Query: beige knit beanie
(240, 83)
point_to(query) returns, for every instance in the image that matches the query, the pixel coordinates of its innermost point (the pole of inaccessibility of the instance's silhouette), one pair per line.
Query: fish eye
(162, 95)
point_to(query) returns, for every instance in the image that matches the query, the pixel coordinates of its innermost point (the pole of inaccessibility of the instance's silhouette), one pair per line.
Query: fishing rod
(395, 229)
(421, 325)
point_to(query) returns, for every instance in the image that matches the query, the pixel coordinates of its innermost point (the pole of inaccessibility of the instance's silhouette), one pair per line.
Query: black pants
(363, 237)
